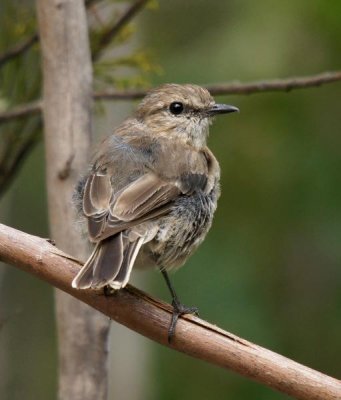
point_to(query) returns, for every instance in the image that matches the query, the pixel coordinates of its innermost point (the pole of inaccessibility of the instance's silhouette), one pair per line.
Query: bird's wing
(108, 213)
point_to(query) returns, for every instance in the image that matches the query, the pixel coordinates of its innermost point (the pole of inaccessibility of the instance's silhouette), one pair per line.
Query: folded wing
(112, 218)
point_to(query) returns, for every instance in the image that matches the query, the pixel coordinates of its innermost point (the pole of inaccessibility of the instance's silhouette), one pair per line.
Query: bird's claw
(178, 310)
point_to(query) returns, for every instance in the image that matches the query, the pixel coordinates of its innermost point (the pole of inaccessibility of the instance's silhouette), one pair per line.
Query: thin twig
(8, 172)
(150, 317)
(276, 85)
(21, 111)
(18, 49)
(236, 88)
(110, 33)
(15, 153)
(21, 48)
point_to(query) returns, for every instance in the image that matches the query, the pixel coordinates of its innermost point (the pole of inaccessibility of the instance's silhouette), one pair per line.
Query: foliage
(19, 82)
(120, 64)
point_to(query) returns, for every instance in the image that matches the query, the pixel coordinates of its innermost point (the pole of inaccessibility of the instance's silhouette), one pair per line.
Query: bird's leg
(178, 308)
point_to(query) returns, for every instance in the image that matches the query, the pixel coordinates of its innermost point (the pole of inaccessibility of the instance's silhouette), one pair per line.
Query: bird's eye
(176, 108)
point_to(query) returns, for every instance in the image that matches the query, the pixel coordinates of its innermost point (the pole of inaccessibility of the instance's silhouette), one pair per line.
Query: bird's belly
(180, 232)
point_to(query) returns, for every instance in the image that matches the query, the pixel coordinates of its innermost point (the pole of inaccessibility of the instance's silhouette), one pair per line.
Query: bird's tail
(110, 263)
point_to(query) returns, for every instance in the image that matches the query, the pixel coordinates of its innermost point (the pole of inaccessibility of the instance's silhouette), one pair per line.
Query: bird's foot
(178, 310)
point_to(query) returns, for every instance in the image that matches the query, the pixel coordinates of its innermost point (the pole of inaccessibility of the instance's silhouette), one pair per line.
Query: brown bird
(152, 190)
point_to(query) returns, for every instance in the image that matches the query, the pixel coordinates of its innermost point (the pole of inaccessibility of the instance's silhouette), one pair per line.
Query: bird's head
(182, 112)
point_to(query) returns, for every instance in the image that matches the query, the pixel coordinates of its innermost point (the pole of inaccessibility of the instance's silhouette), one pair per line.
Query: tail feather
(131, 251)
(84, 277)
(110, 263)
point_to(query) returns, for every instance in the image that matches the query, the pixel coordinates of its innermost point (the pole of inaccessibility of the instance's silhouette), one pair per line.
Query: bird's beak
(222, 109)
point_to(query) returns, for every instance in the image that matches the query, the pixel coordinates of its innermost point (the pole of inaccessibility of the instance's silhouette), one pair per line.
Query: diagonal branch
(21, 48)
(13, 160)
(276, 85)
(150, 317)
(18, 49)
(110, 33)
(21, 111)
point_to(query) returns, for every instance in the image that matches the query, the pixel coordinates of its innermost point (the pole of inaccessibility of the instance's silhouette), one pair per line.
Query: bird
(151, 190)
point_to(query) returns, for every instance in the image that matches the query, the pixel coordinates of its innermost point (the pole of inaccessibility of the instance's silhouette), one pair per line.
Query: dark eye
(176, 108)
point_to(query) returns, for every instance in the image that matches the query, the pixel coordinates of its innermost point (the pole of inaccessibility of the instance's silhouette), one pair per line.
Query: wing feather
(97, 194)
(142, 196)
(108, 213)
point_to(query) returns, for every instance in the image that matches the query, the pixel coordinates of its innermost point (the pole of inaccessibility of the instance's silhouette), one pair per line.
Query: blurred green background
(269, 270)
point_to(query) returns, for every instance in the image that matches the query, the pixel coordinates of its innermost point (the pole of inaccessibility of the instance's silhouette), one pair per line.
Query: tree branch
(110, 33)
(276, 85)
(151, 317)
(13, 160)
(18, 49)
(21, 111)
(21, 48)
